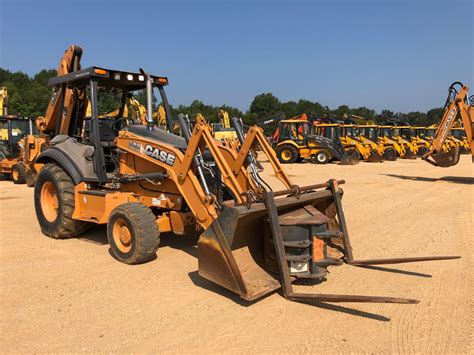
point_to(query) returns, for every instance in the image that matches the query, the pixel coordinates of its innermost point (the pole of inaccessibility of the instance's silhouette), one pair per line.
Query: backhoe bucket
(444, 159)
(390, 154)
(237, 250)
(350, 157)
(375, 157)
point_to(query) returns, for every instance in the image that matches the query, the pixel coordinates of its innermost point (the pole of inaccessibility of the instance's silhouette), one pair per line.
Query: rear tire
(18, 173)
(54, 203)
(133, 233)
(287, 154)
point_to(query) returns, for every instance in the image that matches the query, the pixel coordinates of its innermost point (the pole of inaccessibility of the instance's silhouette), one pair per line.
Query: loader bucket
(390, 154)
(350, 157)
(236, 251)
(375, 157)
(444, 159)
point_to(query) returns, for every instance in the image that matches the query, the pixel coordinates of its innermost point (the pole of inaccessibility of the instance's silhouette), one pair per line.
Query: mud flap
(443, 159)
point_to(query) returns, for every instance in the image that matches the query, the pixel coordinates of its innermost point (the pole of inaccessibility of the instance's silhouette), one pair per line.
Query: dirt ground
(72, 296)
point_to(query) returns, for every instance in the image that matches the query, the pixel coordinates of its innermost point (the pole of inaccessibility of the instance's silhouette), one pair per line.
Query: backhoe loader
(385, 136)
(13, 129)
(141, 181)
(368, 133)
(411, 149)
(457, 102)
(223, 129)
(368, 150)
(294, 141)
(418, 137)
(458, 134)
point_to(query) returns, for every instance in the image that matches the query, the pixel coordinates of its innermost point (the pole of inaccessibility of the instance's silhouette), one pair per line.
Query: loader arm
(458, 102)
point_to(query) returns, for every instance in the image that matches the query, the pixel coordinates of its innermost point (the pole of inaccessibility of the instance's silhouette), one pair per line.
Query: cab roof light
(100, 71)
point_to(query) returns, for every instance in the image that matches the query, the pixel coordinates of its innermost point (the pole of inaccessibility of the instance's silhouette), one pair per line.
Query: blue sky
(400, 55)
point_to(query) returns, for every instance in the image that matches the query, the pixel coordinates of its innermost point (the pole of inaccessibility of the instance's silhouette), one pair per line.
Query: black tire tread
(68, 227)
(21, 169)
(148, 237)
(294, 153)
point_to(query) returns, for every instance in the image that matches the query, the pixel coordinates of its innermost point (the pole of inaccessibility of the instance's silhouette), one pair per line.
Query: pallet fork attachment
(302, 297)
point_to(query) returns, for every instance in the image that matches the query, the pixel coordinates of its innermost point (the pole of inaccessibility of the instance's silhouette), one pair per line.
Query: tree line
(29, 97)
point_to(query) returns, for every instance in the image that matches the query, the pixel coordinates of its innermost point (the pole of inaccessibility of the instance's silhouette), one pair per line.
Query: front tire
(18, 173)
(54, 203)
(321, 157)
(133, 233)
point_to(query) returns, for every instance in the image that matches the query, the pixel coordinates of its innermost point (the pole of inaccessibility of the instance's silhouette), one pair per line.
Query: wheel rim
(122, 235)
(286, 154)
(15, 174)
(49, 201)
(321, 157)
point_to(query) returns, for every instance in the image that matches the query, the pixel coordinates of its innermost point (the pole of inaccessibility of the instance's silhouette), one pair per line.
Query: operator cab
(115, 100)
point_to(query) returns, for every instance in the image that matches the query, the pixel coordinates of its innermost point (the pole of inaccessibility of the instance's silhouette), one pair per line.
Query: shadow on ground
(97, 234)
(454, 179)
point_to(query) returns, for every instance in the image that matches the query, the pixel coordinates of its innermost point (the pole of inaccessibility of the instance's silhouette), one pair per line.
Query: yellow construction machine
(368, 150)
(13, 130)
(385, 136)
(457, 103)
(223, 129)
(298, 139)
(411, 149)
(368, 134)
(141, 180)
(458, 134)
(418, 137)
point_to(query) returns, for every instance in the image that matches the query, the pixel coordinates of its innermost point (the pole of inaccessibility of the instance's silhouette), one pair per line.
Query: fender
(55, 155)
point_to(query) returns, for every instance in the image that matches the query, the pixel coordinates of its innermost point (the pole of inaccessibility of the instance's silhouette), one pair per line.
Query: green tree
(264, 105)
(434, 116)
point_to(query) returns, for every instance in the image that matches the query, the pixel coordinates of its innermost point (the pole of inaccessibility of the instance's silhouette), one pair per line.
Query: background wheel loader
(142, 181)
